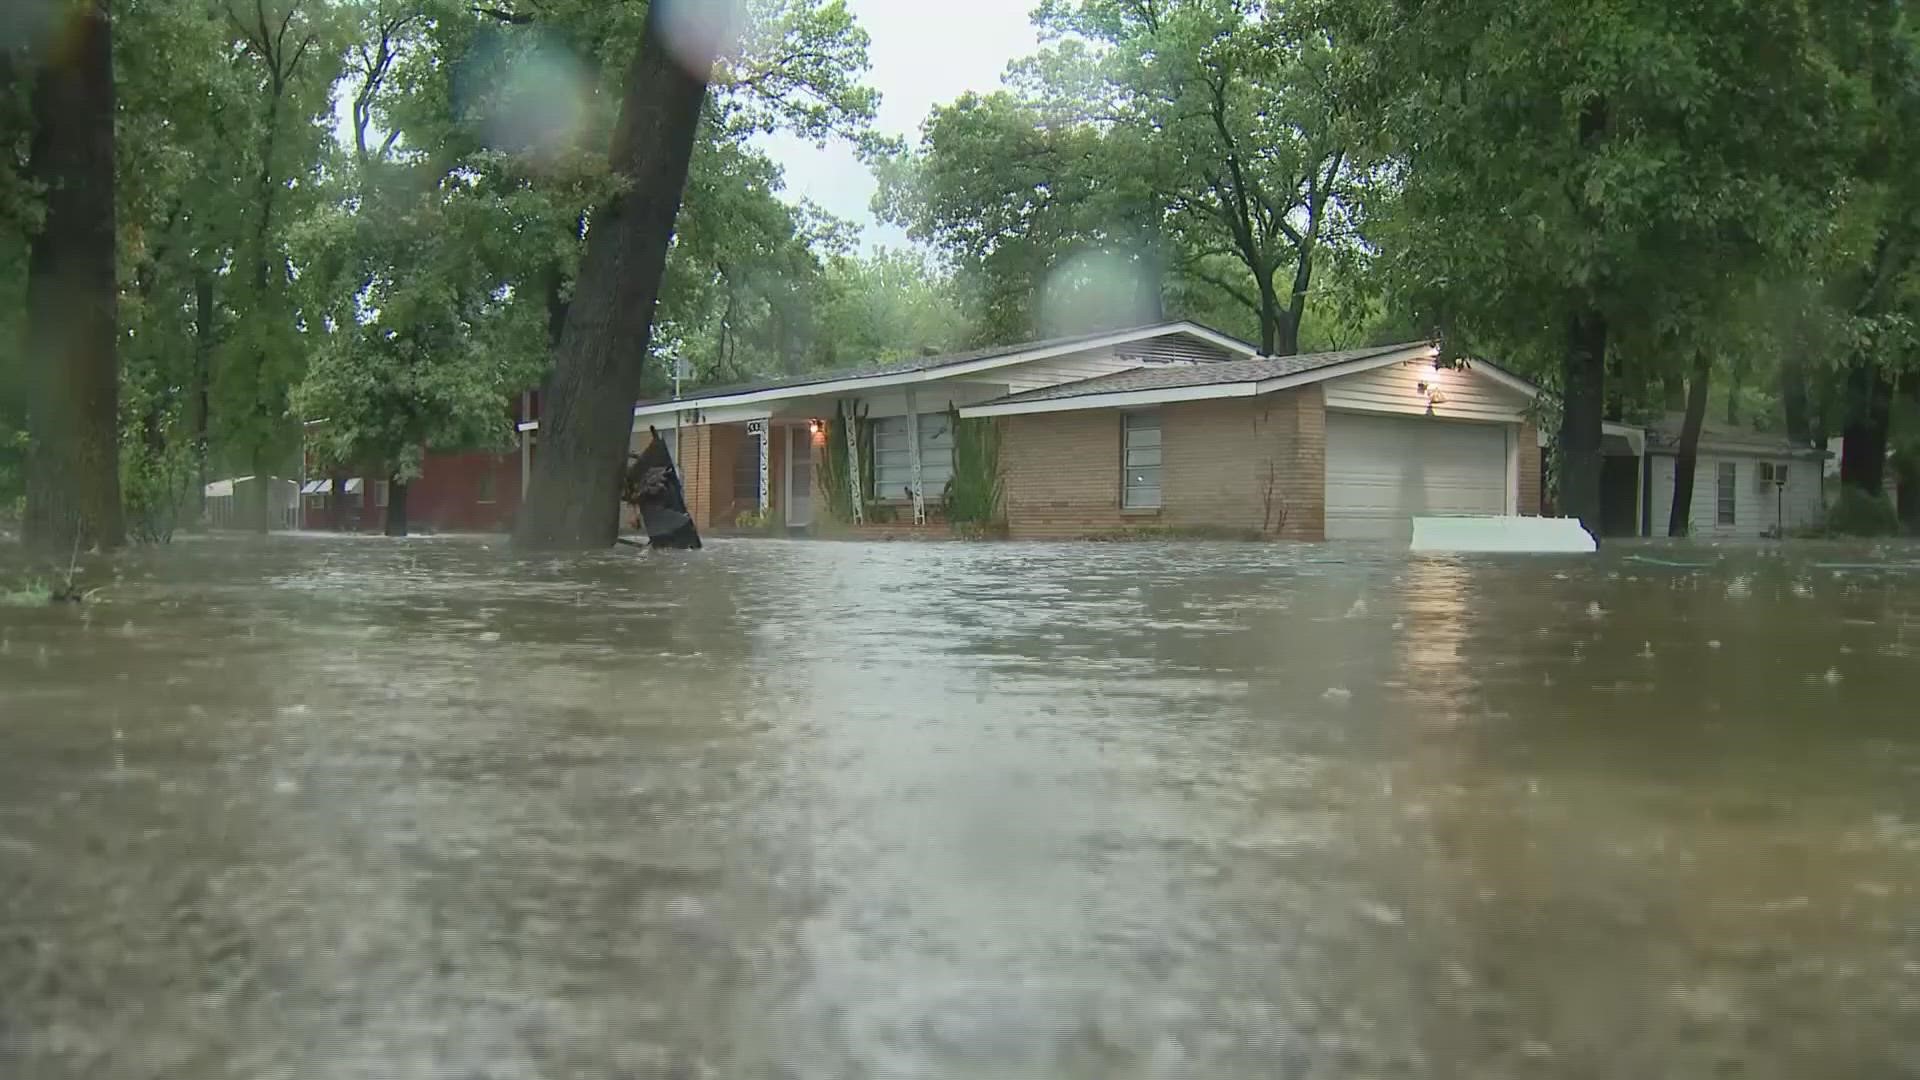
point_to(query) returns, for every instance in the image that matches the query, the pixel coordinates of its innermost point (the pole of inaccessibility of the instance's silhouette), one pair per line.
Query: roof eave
(943, 371)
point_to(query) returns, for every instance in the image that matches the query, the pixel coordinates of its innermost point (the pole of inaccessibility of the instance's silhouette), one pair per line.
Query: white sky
(924, 53)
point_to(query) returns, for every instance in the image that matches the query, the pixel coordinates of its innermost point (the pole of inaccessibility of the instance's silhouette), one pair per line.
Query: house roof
(1663, 436)
(1257, 369)
(1195, 343)
(1232, 378)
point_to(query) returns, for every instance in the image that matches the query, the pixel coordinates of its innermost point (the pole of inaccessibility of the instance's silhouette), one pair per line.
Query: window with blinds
(1140, 460)
(893, 457)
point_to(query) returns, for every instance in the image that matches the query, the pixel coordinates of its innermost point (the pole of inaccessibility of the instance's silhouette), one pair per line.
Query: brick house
(1166, 426)
(1330, 446)
(454, 493)
(753, 448)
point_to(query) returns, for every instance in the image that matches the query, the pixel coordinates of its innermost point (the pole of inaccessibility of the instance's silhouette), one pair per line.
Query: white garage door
(1384, 470)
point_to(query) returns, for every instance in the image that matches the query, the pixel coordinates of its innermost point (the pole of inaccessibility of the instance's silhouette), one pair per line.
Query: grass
(33, 592)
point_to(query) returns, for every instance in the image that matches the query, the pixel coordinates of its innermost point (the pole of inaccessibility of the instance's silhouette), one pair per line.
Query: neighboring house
(1167, 426)
(1746, 484)
(454, 493)
(752, 448)
(226, 502)
(1341, 446)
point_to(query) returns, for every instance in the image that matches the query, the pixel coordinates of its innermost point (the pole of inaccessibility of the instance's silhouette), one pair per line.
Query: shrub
(973, 494)
(1860, 513)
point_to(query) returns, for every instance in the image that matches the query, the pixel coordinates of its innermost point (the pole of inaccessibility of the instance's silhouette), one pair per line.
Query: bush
(1859, 513)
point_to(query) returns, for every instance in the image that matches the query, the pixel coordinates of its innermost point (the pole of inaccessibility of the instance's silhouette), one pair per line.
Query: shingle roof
(1664, 434)
(921, 363)
(1258, 369)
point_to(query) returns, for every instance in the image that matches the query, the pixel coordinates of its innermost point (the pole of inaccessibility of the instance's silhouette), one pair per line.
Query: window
(486, 487)
(1140, 458)
(746, 470)
(380, 493)
(893, 456)
(1770, 475)
(1727, 480)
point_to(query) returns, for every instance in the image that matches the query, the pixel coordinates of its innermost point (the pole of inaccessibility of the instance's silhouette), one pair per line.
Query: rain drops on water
(1646, 650)
(1714, 644)
(1833, 676)
(1594, 610)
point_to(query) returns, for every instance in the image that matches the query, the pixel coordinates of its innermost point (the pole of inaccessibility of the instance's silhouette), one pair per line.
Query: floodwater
(325, 808)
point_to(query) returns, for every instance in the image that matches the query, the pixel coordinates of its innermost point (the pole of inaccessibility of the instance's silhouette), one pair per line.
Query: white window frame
(1140, 440)
(1726, 492)
(893, 457)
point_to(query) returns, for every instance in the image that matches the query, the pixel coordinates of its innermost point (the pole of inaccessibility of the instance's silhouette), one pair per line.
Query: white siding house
(1737, 493)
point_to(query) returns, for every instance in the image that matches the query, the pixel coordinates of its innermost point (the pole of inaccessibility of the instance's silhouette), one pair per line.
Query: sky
(924, 53)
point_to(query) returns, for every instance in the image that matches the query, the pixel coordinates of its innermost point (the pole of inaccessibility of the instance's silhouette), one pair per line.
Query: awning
(325, 487)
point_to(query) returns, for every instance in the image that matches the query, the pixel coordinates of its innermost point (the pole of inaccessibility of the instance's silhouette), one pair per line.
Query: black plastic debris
(653, 485)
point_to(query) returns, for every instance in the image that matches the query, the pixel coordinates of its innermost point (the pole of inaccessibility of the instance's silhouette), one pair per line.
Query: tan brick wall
(1253, 465)
(1529, 470)
(695, 465)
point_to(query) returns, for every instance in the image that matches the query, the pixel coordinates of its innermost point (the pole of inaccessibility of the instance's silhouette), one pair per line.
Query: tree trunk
(574, 501)
(1736, 371)
(198, 403)
(1794, 407)
(1278, 335)
(1869, 405)
(1584, 377)
(396, 507)
(1673, 391)
(1688, 457)
(1906, 463)
(73, 465)
(253, 512)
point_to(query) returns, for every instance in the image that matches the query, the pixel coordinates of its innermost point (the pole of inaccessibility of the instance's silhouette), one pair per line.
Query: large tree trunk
(1688, 457)
(73, 465)
(1869, 405)
(574, 501)
(396, 507)
(1278, 335)
(1584, 379)
(1794, 406)
(198, 404)
(1906, 462)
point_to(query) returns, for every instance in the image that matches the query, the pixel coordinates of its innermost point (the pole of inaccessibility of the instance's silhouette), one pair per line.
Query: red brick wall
(446, 498)
(1252, 465)
(451, 494)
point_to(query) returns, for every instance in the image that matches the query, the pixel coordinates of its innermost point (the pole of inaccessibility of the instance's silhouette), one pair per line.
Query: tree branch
(517, 18)
(1225, 286)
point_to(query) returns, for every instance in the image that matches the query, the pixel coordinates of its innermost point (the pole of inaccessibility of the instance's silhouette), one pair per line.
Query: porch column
(766, 446)
(913, 456)
(852, 421)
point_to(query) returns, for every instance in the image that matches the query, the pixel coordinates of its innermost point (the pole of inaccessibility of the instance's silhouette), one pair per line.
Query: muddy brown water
(325, 808)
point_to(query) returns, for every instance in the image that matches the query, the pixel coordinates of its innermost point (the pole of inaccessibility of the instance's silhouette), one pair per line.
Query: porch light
(817, 429)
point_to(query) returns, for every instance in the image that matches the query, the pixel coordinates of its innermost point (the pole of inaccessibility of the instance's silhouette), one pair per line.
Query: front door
(799, 476)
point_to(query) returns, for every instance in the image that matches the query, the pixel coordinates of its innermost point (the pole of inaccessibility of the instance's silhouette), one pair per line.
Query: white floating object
(1547, 536)
(1833, 675)
(1338, 694)
(1359, 609)
(1594, 610)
